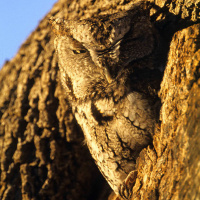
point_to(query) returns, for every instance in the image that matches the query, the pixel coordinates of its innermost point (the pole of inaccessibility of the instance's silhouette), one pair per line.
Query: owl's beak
(108, 75)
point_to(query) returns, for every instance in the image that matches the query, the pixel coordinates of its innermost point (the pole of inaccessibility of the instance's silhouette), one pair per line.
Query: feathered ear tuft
(59, 26)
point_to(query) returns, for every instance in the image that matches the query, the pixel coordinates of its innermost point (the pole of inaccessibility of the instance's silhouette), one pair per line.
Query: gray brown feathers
(107, 69)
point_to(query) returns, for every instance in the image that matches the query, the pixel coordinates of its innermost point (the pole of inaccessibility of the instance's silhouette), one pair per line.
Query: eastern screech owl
(108, 69)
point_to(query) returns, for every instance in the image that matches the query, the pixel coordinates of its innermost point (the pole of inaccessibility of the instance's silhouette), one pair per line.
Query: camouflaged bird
(108, 70)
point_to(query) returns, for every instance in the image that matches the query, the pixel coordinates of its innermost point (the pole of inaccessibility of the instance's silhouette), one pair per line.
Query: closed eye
(110, 49)
(79, 51)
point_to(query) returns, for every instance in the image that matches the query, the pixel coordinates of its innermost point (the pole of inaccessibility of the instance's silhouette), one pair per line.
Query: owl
(108, 70)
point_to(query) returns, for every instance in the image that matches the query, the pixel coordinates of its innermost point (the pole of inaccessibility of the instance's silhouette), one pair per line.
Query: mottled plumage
(108, 70)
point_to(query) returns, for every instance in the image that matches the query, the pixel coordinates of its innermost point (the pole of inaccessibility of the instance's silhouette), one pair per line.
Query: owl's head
(96, 53)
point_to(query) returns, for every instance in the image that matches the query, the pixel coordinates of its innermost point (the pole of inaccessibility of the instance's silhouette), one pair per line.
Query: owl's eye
(79, 51)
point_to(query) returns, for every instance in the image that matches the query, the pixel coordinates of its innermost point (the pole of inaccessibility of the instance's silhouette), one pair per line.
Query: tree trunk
(43, 155)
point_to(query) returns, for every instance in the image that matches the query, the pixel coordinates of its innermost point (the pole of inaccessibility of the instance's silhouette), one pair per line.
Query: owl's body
(107, 69)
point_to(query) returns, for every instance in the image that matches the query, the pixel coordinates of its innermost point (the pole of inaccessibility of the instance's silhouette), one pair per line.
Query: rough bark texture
(43, 155)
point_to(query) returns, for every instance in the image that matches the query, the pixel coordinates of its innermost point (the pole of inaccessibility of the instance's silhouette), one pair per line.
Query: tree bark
(43, 155)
